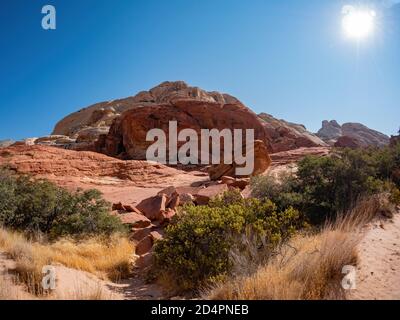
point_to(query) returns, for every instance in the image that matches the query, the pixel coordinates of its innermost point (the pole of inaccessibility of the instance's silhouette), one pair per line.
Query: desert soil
(378, 272)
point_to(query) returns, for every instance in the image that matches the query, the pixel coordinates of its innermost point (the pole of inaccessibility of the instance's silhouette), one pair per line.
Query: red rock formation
(348, 142)
(128, 133)
(261, 163)
(128, 121)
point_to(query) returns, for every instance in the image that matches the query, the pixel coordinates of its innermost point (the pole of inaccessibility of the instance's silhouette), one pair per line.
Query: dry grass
(109, 259)
(309, 266)
(6, 290)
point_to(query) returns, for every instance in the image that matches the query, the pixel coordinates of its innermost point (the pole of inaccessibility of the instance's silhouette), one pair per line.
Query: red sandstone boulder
(204, 196)
(144, 246)
(134, 220)
(262, 161)
(145, 261)
(157, 235)
(140, 233)
(151, 207)
(165, 216)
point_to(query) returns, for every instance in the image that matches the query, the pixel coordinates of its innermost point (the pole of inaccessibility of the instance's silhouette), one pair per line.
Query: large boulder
(262, 161)
(151, 207)
(128, 134)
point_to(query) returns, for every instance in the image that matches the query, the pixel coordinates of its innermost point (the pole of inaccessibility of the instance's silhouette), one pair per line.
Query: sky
(287, 58)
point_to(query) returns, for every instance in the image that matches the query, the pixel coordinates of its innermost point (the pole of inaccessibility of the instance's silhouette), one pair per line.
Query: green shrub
(326, 186)
(39, 206)
(197, 245)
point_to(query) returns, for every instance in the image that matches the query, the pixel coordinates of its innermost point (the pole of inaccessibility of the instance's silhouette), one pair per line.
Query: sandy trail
(378, 273)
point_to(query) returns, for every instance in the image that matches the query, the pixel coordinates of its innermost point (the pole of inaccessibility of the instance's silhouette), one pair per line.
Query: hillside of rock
(351, 135)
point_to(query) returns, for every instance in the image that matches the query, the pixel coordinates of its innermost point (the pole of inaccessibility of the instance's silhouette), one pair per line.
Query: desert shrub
(282, 190)
(197, 245)
(39, 206)
(326, 186)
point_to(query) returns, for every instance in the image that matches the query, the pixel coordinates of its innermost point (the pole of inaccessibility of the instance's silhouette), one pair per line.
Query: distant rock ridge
(351, 135)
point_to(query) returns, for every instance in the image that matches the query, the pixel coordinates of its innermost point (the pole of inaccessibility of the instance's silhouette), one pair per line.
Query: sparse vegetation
(308, 267)
(39, 207)
(107, 258)
(196, 248)
(324, 187)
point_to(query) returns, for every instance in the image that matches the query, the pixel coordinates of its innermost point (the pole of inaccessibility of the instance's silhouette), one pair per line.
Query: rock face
(52, 162)
(289, 136)
(128, 134)
(354, 135)
(262, 161)
(118, 127)
(6, 143)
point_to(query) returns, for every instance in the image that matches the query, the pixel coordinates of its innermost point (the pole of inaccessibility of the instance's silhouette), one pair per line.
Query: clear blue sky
(287, 58)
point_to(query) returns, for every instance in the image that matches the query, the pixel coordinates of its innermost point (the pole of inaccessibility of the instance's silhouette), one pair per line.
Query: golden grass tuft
(309, 266)
(105, 258)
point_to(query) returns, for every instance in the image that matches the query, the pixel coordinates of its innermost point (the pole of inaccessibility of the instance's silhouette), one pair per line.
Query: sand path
(378, 273)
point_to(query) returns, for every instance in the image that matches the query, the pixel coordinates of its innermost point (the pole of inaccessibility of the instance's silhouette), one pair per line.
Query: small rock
(205, 195)
(145, 261)
(165, 216)
(118, 206)
(144, 246)
(135, 220)
(140, 234)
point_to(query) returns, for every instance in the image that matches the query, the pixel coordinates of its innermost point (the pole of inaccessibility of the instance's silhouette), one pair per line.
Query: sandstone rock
(227, 180)
(240, 183)
(192, 107)
(347, 142)
(60, 164)
(128, 133)
(205, 195)
(157, 235)
(361, 135)
(186, 198)
(6, 143)
(26, 142)
(288, 136)
(140, 233)
(151, 207)
(173, 201)
(144, 246)
(262, 161)
(165, 216)
(134, 220)
(91, 134)
(145, 261)
(129, 208)
(118, 206)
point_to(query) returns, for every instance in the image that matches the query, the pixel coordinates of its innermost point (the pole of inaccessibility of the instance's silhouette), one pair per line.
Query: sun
(358, 23)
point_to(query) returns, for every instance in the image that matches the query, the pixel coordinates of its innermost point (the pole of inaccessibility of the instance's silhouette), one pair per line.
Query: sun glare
(358, 23)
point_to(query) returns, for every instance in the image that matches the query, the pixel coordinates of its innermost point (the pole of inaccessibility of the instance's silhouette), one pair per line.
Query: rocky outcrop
(354, 135)
(128, 134)
(6, 143)
(261, 163)
(348, 142)
(118, 127)
(289, 136)
(52, 162)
